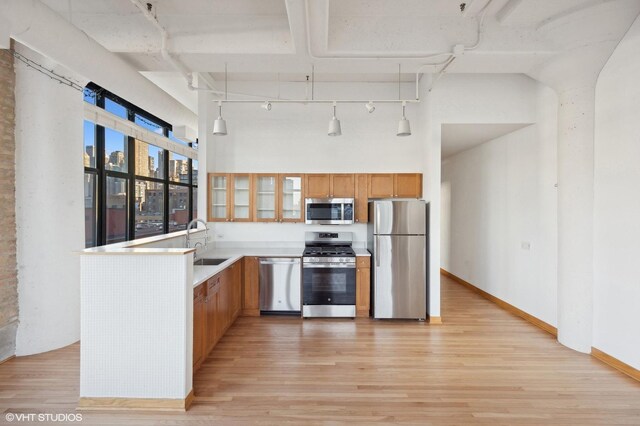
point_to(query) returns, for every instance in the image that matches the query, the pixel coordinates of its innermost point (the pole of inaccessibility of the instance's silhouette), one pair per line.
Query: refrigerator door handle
(377, 249)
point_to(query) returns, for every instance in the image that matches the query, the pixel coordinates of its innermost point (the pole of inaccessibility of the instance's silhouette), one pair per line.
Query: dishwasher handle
(271, 262)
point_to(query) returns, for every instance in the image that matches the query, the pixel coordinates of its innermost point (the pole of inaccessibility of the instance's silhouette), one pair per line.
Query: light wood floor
(484, 366)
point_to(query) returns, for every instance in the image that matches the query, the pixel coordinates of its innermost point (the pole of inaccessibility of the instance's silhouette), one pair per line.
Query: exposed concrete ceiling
(461, 137)
(345, 40)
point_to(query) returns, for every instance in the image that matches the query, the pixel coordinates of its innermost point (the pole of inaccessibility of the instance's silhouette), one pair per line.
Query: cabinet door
(218, 197)
(265, 197)
(251, 287)
(381, 185)
(318, 186)
(240, 198)
(342, 186)
(362, 199)
(212, 313)
(236, 290)
(408, 185)
(291, 198)
(363, 287)
(222, 319)
(199, 326)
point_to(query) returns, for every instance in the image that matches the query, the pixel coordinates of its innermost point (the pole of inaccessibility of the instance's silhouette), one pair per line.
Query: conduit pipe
(146, 8)
(32, 24)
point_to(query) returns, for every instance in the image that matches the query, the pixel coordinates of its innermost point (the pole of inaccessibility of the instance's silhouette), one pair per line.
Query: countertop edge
(138, 251)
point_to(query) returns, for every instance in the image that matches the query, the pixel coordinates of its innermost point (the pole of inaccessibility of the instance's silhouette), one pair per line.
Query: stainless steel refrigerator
(397, 239)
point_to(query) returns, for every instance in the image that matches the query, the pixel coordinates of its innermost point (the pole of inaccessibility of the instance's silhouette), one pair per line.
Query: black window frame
(102, 173)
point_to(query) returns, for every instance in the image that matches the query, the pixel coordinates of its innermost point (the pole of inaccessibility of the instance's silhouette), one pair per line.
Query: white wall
(49, 207)
(617, 203)
(293, 138)
(501, 194)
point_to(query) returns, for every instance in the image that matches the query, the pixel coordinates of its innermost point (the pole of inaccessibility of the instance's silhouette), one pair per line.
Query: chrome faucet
(190, 226)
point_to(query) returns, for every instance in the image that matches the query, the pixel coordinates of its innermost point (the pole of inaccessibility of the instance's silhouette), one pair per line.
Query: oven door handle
(329, 265)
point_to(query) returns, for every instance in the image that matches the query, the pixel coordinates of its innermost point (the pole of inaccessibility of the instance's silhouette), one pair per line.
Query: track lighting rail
(316, 101)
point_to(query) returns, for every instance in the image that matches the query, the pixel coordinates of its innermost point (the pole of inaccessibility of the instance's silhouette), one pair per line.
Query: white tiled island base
(136, 329)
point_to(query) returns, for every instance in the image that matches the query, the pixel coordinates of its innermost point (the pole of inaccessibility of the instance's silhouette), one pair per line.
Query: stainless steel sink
(209, 262)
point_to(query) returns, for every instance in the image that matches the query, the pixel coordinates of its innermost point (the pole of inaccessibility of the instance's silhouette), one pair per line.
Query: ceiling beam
(296, 16)
(571, 11)
(502, 16)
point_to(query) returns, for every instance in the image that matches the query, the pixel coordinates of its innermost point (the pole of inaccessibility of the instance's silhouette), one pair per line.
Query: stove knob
(329, 299)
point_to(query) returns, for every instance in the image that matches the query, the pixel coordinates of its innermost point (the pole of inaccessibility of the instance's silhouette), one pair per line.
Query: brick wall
(8, 272)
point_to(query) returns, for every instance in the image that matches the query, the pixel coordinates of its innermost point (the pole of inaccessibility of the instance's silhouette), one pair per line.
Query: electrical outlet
(525, 245)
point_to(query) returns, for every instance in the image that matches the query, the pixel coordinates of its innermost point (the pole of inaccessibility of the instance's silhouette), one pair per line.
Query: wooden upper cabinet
(362, 199)
(381, 185)
(240, 198)
(265, 197)
(318, 186)
(395, 185)
(342, 186)
(291, 197)
(408, 185)
(218, 199)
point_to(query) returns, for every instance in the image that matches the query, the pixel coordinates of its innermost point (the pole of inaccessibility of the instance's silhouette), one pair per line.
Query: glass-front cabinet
(259, 197)
(265, 197)
(241, 198)
(291, 198)
(218, 197)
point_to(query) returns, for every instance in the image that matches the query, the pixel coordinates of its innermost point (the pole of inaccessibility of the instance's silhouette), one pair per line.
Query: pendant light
(334, 124)
(404, 127)
(220, 126)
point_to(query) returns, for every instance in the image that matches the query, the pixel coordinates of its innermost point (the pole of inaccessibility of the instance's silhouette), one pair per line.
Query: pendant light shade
(404, 127)
(220, 125)
(334, 124)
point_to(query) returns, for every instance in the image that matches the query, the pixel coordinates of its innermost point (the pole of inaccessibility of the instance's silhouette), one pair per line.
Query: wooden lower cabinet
(213, 313)
(199, 325)
(216, 305)
(363, 286)
(251, 287)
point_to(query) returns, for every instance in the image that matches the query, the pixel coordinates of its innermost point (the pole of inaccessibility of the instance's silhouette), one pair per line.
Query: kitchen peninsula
(150, 316)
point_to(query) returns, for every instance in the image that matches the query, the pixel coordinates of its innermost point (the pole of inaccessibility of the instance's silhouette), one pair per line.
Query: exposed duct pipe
(32, 23)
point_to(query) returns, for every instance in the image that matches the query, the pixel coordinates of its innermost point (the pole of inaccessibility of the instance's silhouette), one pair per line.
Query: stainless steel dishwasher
(280, 285)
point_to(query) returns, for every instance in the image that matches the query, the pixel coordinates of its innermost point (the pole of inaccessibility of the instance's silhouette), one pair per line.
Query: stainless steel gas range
(328, 275)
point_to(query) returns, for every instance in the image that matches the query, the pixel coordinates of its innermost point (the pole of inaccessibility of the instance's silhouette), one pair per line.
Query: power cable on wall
(46, 71)
(97, 94)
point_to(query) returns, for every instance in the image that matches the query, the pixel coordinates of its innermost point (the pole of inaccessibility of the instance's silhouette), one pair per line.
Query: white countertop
(203, 273)
(362, 252)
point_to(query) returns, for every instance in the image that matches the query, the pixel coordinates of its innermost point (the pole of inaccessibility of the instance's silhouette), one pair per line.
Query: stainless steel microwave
(328, 211)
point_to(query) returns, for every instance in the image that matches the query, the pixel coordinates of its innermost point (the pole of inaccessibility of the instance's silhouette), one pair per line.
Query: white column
(49, 207)
(575, 215)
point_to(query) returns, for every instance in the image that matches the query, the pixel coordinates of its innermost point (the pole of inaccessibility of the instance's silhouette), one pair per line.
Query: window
(149, 160)
(115, 148)
(178, 207)
(116, 217)
(90, 209)
(149, 208)
(89, 144)
(133, 189)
